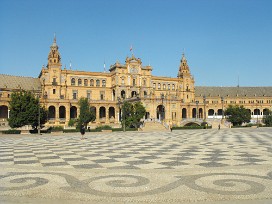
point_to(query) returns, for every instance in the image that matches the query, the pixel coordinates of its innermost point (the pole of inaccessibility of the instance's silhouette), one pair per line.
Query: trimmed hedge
(56, 128)
(191, 127)
(11, 132)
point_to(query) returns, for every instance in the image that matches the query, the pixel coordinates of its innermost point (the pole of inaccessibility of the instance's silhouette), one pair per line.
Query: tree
(237, 115)
(267, 119)
(86, 115)
(24, 110)
(132, 114)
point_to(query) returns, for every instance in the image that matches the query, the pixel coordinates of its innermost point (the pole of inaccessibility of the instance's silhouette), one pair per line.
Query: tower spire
(54, 58)
(183, 68)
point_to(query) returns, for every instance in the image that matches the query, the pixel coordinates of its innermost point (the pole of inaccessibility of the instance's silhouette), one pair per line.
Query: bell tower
(184, 69)
(54, 59)
(186, 81)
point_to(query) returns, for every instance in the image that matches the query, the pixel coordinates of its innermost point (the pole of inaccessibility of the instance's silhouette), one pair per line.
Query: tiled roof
(232, 91)
(17, 82)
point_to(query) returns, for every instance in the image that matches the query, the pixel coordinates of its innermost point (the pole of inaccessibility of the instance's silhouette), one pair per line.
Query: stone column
(97, 115)
(107, 115)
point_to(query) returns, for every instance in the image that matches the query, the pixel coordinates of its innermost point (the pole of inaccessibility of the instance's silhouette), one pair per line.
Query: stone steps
(153, 127)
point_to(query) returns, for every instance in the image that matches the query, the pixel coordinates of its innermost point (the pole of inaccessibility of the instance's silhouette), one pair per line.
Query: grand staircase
(216, 122)
(153, 127)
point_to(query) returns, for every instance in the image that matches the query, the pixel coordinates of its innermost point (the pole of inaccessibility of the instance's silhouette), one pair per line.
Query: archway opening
(73, 112)
(160, 112)
(184, 113)
(51, 112)
(62, 112)
(3, 112)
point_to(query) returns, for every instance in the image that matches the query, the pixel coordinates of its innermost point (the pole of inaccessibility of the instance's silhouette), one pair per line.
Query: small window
(73, 81)
(103, 83)
(102, 95)
(74, 95)
(123, 81)
(144, 82)
(88, 95)
(91, 82)
(173, 86)
(159, 86)
(54, 91)
(154, 85)
(164, 86)
(134, 82)
(169, 87)
(79, 82)
(97, 82)
(85, 82)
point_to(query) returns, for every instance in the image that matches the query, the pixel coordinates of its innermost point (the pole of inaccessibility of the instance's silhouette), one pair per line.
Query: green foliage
(56, 129)
(24, 110)
(86, 115)
(103, 127)
(267, 119)
(132, 114)
(70, 130)
(237, 115)
(11, 132)
(72, 122)
(189, 127)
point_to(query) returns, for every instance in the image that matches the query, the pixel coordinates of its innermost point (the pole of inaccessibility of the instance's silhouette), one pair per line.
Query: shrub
(72, 122)
(11, 132)
(103, 127)
(70, 130)
(56, 128)
(189, 127)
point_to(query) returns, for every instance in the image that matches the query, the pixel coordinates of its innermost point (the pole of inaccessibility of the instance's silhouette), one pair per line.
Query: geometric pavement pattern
(141, 150)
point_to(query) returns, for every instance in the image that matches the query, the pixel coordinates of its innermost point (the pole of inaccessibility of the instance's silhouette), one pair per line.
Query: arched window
(85, 82)
(97, 82)
(103, 83)
(73, 81)
(173, 86)
(79, 82)
(91, 82)
(169, 87)
(159, 85)
(164, 86)
(154, 85)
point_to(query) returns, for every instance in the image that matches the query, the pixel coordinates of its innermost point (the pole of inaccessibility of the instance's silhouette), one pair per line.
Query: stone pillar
(67, 109)
(97, 115)
(107, 115)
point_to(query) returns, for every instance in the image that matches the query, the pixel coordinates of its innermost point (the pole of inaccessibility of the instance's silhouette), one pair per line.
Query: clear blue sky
(222, 38)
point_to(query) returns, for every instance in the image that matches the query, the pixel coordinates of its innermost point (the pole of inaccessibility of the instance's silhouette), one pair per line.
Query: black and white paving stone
(138, 150)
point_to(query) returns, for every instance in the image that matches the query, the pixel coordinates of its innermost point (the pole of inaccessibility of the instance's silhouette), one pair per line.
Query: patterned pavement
(206, 166)
(136, 150)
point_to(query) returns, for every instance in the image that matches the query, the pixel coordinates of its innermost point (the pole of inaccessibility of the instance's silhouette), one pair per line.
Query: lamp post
(204, 102)
(39, 115)
(257, 112)
(163, 109)
(197, 109)
(222, 101)
(123, 113)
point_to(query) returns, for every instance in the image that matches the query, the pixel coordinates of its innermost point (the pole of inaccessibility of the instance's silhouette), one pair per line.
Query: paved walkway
(230, 165)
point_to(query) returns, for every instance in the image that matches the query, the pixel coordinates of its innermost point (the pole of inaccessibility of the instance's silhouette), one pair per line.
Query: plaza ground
(185, 166)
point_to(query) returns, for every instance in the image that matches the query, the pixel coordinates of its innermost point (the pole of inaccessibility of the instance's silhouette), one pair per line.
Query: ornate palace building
(171, 100)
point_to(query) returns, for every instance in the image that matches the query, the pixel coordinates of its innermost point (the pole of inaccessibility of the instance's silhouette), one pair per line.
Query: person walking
(219, 127)
(82, 131)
